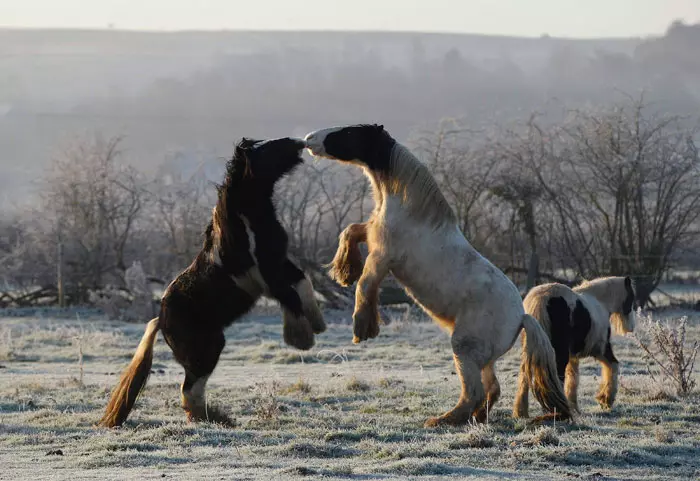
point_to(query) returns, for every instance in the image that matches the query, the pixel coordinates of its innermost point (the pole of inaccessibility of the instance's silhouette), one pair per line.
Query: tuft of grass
(478, 437)
(300, 386)
(660, 395)
(388, 382)
(315, 450)
(300, 471)
(544, 436)
(663, 436)
(355, 385)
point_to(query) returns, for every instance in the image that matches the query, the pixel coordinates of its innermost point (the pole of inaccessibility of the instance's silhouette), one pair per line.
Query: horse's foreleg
(608, 386)
(366, 316)
(346, 266)
(305, 290)
(280, 279)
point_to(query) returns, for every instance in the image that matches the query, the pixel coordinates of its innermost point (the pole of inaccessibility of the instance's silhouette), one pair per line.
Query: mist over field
(192, 94)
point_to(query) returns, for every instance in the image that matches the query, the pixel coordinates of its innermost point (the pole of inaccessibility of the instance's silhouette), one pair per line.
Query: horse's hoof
(318, 325)
(212, 415)
(364, 323)
(373, 330)
(547, 418)
(319, 328)
(356, 340)
(433, 422)
(298, 334)
(604, 402)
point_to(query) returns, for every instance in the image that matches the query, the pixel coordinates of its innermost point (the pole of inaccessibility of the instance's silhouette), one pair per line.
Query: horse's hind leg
(472, 393)
(198, 353)
(470, 355)
(571, 383)
(492, 389)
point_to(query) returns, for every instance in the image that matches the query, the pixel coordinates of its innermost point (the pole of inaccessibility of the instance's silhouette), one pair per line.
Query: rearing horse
(244, 257)
(413, 234)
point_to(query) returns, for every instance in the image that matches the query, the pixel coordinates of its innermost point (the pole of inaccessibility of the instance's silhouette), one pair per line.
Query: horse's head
(363, 144)
(266, 161)
(622, 318)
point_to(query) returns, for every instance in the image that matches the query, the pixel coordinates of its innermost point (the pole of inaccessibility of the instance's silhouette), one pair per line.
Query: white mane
(411, 180)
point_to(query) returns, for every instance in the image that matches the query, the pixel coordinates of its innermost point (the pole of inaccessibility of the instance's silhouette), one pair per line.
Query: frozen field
(339, 411)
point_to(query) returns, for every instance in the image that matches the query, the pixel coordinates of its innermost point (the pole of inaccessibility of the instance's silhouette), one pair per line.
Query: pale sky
(568, 18)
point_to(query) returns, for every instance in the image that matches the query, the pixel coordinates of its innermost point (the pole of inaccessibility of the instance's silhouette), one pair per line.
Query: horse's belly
(448, 277)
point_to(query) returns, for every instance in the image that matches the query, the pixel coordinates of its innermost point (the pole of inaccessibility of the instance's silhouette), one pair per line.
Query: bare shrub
(266, 405)
(135, 303)
(93, 201)
(141, 307)
(667, 351)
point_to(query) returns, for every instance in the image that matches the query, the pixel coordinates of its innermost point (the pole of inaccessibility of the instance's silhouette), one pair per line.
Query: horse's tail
(132, 381)
(541, 369)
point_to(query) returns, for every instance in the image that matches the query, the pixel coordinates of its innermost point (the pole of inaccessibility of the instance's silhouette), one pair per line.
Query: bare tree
(465, 169)
(317, 203)
(180, 209)
(93, 201)
(515, 185)
(625, 186)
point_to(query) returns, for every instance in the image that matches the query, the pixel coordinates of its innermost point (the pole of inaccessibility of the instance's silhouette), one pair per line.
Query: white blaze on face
(315, 141)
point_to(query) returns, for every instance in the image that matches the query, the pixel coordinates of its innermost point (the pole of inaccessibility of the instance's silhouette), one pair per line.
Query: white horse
(578, 323)
(413, 234)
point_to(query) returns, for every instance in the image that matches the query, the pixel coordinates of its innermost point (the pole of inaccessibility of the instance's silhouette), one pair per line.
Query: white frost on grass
(338, 411)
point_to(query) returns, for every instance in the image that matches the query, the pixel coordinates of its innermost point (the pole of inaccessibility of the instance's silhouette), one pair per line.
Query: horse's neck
(600, 293)
(378, 192)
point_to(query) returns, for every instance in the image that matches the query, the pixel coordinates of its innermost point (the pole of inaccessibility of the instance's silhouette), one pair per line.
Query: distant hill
(197, 92)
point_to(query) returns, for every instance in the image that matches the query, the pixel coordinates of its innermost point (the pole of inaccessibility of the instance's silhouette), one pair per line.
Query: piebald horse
(578, 323)
(244, 257)
(413, 234)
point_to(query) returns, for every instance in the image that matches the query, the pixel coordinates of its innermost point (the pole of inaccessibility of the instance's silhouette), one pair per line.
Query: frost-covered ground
(339, 411)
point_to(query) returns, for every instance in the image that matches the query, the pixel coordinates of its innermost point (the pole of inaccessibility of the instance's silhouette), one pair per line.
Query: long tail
(541, 369)
(132, 381)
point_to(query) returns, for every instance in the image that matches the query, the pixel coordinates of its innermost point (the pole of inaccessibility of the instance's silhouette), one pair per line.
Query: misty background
(172, 104)
(193, 94)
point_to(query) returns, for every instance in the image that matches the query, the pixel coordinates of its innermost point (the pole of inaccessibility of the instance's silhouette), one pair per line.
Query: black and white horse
(413, 234)
(244, 257)
(578, 323)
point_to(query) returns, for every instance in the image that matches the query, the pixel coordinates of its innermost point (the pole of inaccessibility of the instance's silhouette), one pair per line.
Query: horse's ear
(245, 143)
(379, 127)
